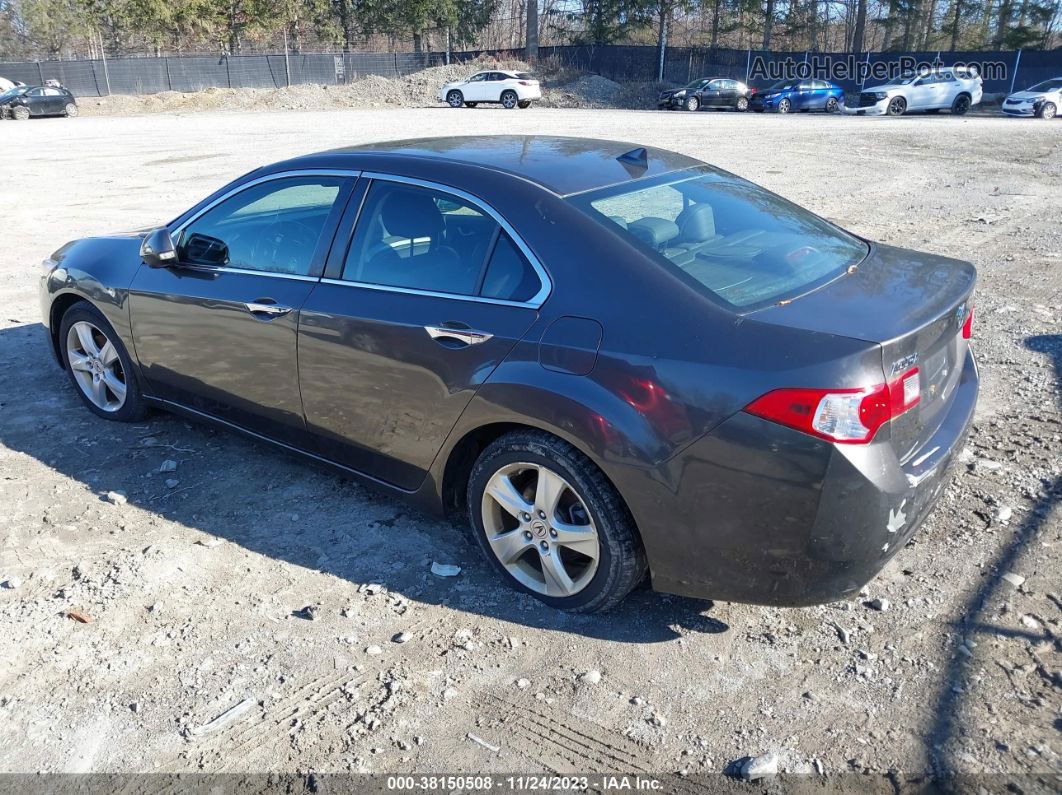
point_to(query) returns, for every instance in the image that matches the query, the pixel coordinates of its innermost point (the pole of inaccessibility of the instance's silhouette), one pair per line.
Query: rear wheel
(1047, 111)
(99, 366)
(455, 99)
(742, 104)
(550, 522)
(471, 104)
(691, 103)
(509, 100)
(21, 113)
(960, 105)
(785, 106)
(524, 103)
(70, 110)
(832, 105)
(897, 106)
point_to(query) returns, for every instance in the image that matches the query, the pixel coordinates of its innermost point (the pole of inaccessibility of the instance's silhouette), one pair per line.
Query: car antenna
(635, 161)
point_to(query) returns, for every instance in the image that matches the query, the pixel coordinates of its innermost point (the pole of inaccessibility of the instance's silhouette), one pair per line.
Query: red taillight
(528, 82)
(848, 416)
(967, 327)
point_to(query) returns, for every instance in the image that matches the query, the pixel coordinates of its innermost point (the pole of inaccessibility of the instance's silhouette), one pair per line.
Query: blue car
(787, 96)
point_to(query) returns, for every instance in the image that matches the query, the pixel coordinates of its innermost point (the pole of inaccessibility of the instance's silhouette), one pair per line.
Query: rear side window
(420, 238)
(736, 241)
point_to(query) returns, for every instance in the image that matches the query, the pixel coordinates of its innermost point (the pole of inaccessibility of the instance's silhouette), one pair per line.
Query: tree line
(87, 28)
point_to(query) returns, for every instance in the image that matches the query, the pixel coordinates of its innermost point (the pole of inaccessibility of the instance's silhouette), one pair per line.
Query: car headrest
(653, 231)
(411, 213)
(697, 222)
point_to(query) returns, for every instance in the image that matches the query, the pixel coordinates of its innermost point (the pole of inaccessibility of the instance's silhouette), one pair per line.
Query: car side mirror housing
(157, 249)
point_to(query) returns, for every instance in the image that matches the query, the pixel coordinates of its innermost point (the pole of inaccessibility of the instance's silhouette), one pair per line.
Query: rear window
(738, 242)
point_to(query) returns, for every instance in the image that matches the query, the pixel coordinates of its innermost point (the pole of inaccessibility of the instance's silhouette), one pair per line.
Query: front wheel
(455, 99)
(524, 104)
(897, 106)
(832, 105)
(960, 105)
(691, 103)
(551, 523)
(1047, 111)
(99, 366)
(785, 106)
(70, 111)
(742, 104)
(509, 100)
(21, 113)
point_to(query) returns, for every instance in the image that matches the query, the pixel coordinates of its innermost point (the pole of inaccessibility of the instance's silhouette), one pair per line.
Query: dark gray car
(614, 359)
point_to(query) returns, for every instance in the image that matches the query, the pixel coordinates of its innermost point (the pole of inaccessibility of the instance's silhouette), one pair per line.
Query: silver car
(1041, 100)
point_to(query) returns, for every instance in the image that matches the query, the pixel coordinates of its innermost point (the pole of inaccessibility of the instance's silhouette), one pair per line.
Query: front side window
(477, 78)
(733, 239)
(273, 226)
(425, 239)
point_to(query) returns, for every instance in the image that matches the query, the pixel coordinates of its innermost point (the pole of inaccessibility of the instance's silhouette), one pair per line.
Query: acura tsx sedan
(614, 360)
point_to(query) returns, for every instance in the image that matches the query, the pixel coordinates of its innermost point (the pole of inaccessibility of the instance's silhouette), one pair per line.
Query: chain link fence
(149, 75)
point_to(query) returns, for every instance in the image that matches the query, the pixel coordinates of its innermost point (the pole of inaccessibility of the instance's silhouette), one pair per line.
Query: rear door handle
(466, 336)
(265, 306)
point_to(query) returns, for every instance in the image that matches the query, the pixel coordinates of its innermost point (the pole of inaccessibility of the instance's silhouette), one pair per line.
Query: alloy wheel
(831, 105)
(509, 100)
(742, 104)
(540, 529)
(897, 106)
(96, 366)
(71, 110)
(454, 99)
(1048, 111)
(783, 106)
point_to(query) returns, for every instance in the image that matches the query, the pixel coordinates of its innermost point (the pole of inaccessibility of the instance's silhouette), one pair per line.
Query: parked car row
(955, 89)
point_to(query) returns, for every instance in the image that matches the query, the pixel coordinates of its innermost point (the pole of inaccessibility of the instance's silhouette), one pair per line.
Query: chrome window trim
(534, 302)
(307, 172)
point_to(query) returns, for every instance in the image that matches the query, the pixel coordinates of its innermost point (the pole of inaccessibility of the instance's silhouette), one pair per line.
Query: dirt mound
(371, 91)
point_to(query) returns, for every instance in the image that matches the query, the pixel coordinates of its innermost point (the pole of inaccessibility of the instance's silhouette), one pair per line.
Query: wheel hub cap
(540, 530)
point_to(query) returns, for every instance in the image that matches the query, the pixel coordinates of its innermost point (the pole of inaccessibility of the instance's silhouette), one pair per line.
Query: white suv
(956, 89)
(511, 89)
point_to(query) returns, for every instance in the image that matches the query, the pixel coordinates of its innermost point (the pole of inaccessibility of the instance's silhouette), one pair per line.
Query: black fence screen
(148, 75)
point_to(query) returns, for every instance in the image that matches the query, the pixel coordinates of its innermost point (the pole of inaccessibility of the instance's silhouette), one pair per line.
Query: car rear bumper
(768, 515)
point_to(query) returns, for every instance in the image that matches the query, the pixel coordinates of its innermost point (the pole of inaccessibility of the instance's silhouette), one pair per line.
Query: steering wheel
(286, 246)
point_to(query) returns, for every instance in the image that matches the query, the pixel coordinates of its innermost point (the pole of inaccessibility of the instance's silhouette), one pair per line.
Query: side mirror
(158, 250)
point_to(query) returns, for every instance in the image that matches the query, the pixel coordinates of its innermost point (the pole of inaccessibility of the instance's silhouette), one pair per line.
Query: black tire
(691, 104)
(471, 104)
(832, 105)
(961, 105)
(785, 106)
(742, 104)
(1047, 111)
(20, 113)
(524, 104)
(509, 99)
(897, 107)
(134, 408)
(455, 98)
(621, 565)
(70, 111)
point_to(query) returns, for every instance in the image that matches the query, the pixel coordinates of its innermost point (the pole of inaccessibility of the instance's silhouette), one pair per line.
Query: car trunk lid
(914, 306)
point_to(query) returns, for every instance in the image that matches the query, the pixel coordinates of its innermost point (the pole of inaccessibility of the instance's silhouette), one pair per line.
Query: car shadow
(277, 504)
(975, 623)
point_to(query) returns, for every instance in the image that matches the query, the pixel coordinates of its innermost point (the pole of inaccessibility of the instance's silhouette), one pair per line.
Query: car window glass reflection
(273, 226)
(418, 238)
(740, 242)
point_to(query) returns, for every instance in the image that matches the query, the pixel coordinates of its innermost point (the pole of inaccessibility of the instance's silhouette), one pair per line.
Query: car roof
(562, 165)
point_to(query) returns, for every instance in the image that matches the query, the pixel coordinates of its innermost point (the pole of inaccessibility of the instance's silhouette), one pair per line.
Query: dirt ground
(197, 592)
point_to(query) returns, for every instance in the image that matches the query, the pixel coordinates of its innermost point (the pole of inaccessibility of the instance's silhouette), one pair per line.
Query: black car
(613, 359)
(707, 92)
(21, 102)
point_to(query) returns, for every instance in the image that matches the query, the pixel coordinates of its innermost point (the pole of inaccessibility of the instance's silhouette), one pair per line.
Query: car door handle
(264, 306)
(464, 335)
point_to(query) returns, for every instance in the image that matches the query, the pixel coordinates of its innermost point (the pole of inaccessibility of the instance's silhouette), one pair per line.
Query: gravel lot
(197, 593)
